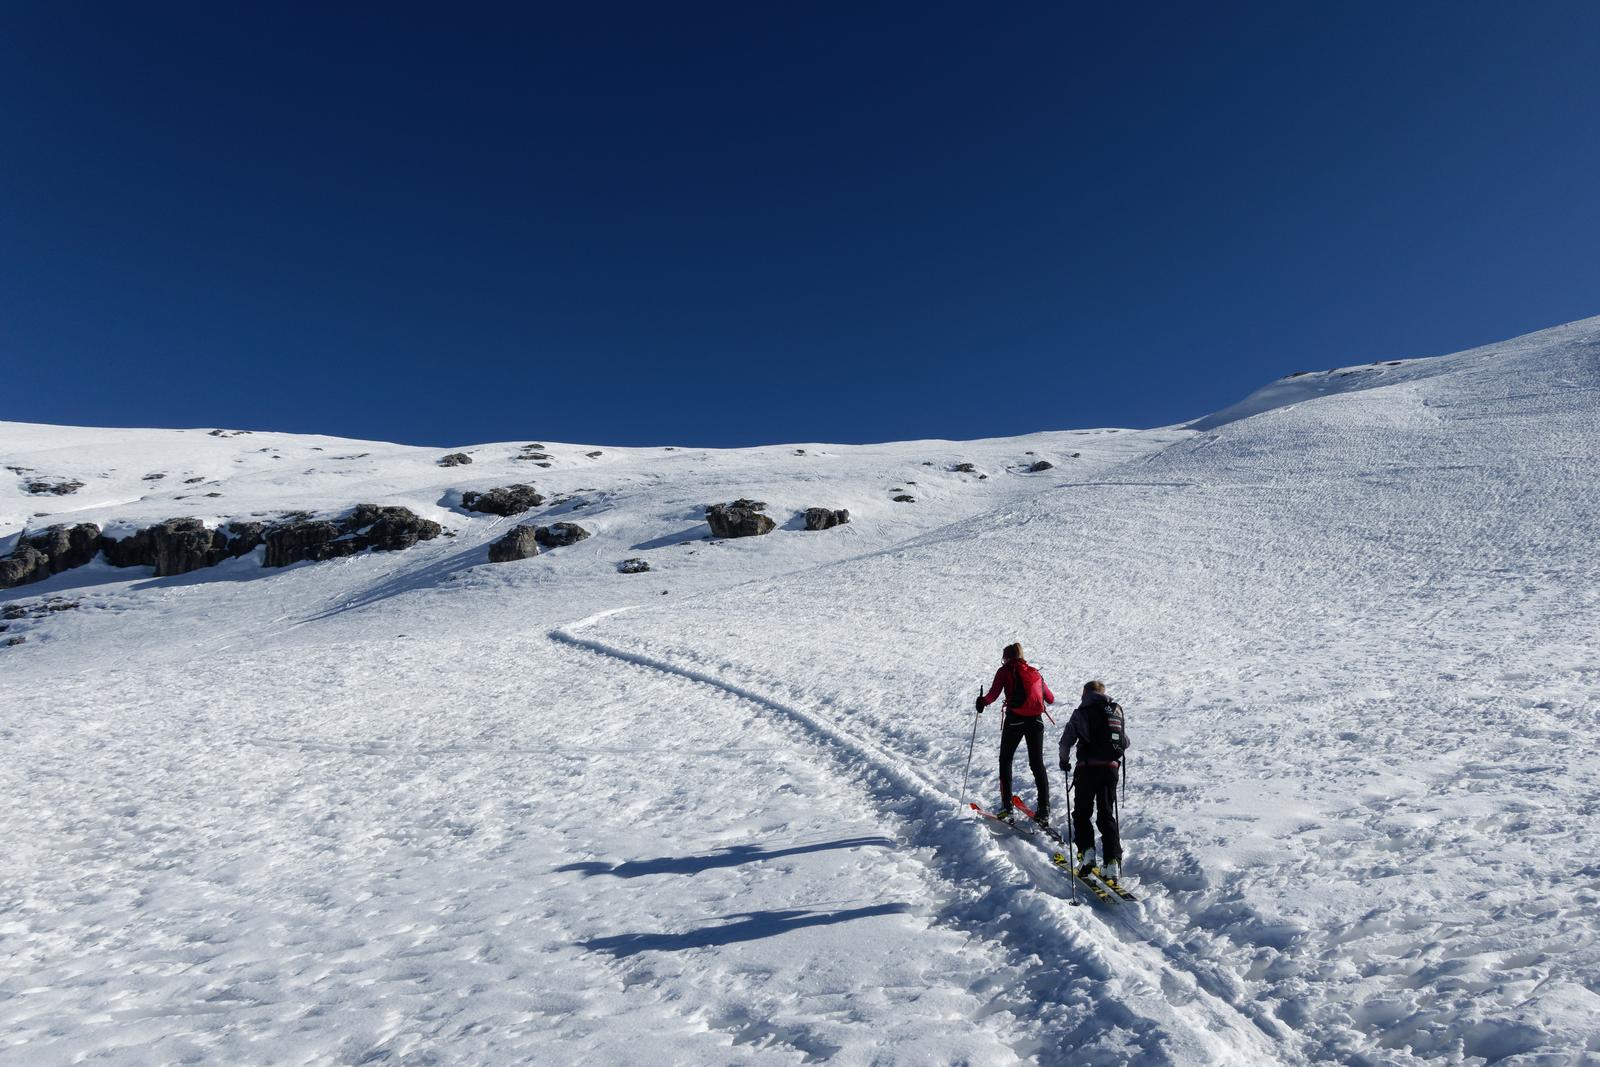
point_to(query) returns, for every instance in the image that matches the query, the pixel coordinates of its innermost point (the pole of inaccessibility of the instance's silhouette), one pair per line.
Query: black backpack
(1105, 733)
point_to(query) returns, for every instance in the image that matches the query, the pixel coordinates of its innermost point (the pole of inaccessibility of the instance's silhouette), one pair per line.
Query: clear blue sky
(732, 223)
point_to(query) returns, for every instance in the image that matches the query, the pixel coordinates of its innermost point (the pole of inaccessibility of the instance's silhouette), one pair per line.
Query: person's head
(1011, 652)
(1093, 687)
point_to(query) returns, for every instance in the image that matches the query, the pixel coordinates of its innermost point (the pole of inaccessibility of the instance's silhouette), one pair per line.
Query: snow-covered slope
(416, 806)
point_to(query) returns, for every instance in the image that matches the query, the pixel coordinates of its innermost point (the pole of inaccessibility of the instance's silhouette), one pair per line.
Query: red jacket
(1026, 693)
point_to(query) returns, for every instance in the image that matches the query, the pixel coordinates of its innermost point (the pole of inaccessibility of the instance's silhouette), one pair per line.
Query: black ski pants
(1013, 732)
(1094, 803)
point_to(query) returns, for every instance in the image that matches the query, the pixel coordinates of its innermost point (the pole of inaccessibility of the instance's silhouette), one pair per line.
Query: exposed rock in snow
(41, 487)
(1040, 465)
(52, 550)
(740, 518)
(383, 529)
(454, 459)
(560, 534)
(633, 566)
(505, 500)
(521, 543)
(825, 518)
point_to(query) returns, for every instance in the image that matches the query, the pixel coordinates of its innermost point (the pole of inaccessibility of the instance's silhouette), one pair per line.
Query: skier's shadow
(748, 926)
(730, 856)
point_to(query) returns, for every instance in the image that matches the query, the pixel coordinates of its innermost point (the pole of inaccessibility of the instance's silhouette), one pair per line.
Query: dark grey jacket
(1077, 732)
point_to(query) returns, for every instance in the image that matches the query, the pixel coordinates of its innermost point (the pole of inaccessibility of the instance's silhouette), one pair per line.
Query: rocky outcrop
(739, 518)
(24, 566)
(520, 543)
(825, 519)
(382, 529)
(179, 546)
(184, 545)
(964, 468)
(49, 551)
(560, 534)
(633, 566)
(244, 537)
(454, 459)
(1040, 465)
(905, 498)
(388, 529)
(294, 542)
(506, 500)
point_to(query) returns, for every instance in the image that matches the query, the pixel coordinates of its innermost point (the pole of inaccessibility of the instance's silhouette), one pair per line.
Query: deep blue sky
(722, 224)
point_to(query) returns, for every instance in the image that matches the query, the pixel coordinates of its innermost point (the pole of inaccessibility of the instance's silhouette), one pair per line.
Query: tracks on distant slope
(1174, 1006)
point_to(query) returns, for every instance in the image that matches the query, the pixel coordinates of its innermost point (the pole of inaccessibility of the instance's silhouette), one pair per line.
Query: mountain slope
(412, 805)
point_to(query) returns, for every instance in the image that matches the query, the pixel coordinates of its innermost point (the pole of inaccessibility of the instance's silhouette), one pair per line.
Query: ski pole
(1072, 837)
(967, 774)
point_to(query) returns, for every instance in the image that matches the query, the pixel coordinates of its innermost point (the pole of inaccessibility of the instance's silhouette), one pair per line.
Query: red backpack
(1025, 690)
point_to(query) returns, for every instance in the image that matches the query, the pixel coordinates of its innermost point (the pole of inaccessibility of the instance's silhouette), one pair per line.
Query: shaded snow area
(414, 807)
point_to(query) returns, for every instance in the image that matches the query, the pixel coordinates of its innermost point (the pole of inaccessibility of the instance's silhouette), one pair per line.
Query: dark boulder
(560, 534)
(138, 549)
(506, 500)
(1040, 465)
(49, 551)
(520, 543)
(905, 498)
(306, 539)
(825, 519)
(633, 566)
(25, 565)
(382, 529)
(964, 468)
(741, 518)
(454, 459)
(184, 545)
(389, 529)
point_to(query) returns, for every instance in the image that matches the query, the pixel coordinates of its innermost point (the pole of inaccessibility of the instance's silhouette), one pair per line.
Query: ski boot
(1111, 872)
(1086, 864)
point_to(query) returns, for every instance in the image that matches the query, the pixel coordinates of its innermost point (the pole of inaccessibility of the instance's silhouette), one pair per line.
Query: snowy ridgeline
(413, 806)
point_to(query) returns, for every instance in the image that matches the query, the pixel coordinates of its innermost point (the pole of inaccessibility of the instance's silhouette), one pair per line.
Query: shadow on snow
(730, 856)
(747, 926)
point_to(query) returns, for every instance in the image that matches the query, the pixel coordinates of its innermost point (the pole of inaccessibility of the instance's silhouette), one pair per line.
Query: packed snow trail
(1182, 1009)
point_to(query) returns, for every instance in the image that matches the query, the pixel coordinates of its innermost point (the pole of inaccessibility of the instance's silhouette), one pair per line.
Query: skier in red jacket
(1026, 696)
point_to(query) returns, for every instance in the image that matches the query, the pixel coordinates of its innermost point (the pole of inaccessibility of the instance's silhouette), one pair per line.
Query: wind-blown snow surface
(415, 807)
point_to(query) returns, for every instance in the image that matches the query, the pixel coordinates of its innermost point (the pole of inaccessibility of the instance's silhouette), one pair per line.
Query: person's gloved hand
(979, 705)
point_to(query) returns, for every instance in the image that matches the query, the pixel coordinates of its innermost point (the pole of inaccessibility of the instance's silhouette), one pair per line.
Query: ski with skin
(1029, 829)
(1094, 881)
(1025, 831)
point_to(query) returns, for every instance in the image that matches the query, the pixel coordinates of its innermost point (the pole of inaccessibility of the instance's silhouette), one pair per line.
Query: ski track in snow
(1184, 1010)
(413, 808)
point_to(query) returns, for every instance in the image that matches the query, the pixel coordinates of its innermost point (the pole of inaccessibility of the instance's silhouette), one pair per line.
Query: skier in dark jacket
(1096, 728)
(1026, 696)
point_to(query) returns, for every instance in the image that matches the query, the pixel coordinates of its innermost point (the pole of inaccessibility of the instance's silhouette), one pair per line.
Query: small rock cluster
(525, 541)
(506, 500)
(825, 519)
(40, 487)
(454, 459)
